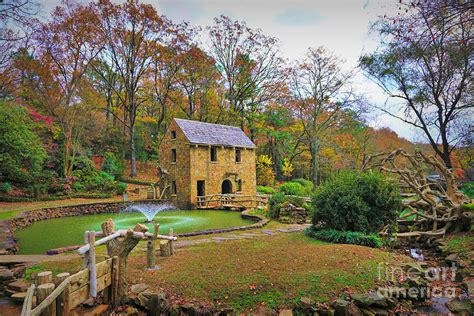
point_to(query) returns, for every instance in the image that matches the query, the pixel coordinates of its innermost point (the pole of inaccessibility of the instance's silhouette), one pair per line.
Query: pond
(60, 232)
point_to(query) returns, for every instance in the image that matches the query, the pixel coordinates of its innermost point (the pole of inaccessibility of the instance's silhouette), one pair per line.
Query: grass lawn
(274, 271)
(11, 209)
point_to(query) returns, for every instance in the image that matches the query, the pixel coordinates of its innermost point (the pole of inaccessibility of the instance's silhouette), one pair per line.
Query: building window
(174, 190)
(238, 155)
(213, 153)
(239, 185)
(173, 155)
(173, 134)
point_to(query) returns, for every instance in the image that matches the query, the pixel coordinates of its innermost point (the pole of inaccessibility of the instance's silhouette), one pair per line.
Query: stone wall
(179, 171)
(225, 168)
(193, 164)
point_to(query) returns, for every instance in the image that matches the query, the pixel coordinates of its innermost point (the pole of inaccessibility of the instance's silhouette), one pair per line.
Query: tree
(318, 86)
(249, 63)
(133, 33)
(21, 151)
(425, 62)
(68, 45)
(265, 174)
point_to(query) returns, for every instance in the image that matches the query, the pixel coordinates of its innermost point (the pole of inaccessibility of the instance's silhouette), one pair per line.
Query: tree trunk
(133, 158)
(314, 161)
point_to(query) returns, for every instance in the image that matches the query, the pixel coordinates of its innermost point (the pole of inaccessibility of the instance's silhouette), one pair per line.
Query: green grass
(461, 243)
(275, 271)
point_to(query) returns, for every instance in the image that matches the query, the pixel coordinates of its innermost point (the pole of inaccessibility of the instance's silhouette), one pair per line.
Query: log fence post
(92, 269)
(171, 233)
(62, 302)
(44, 277)
(42, 292)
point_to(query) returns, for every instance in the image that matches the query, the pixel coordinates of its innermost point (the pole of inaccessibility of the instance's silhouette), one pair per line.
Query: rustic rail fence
(58, 296)
(231, 201)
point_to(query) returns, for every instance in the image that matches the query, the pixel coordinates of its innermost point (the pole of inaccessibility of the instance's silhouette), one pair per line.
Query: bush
(265, 190)
(6, 187)
(468, 189)
(121, 188)
(265, 173)
(338, 237)
(21, 151)
(292, 188)
(112, 165)
(88, 178)
(279, 199)
(307, 185)
(351, 201)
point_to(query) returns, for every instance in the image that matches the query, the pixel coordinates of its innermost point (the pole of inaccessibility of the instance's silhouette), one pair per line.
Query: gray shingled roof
(214, 134)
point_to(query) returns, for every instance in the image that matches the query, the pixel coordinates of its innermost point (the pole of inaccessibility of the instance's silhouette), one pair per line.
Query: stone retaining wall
(8, 244)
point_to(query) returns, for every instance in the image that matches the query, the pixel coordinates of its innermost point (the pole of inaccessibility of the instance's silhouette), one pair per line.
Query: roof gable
(213, 134)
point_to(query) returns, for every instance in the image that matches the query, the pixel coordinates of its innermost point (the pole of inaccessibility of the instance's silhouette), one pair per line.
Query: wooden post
(44, 277)
(165, 248)
(92, 271)
(42, 293)
(85, 259)
(114, 288)
(171, 242)
(150, 253)
(62, 303)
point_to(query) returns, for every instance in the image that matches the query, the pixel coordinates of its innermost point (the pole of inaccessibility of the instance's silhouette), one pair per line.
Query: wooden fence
(59, 295)
(231, 201)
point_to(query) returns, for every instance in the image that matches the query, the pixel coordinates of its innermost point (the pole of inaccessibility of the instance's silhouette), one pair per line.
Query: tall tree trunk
(133, 158)
(314, 161)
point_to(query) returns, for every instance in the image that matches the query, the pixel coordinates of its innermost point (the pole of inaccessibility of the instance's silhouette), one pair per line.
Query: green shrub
(6, 187)
(307, 185)
(292, 188)
(350, 201)
(88, 178)
(112, 165)
(277, 201)
(265, 190)
(347, 237)
(135, 181)
(468, 189)
(121, 188)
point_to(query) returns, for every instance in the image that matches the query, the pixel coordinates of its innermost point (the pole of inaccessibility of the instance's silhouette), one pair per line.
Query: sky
(341, 26)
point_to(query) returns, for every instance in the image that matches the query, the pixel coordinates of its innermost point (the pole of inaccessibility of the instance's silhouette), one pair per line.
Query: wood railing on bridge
(231, 201)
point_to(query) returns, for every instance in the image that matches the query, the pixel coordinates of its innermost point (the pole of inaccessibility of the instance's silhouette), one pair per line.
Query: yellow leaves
(287, 168)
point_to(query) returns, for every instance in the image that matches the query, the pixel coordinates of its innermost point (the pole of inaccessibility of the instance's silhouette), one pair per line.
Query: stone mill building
(203, 159)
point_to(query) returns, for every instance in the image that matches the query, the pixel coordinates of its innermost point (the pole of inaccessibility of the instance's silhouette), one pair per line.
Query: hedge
(6, 198)
(347, 237)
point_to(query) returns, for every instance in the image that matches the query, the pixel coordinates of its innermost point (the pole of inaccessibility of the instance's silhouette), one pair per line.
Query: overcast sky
(339, 25)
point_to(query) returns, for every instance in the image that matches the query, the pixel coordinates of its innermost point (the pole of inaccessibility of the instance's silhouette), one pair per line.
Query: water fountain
(149, 210)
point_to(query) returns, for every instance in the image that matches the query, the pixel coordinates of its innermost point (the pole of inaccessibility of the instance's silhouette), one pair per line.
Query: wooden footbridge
(231, 201)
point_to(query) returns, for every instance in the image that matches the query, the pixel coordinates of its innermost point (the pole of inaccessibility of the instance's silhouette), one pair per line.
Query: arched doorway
(226, 187)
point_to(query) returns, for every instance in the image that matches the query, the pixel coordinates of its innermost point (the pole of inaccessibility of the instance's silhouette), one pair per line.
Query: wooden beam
(28, 303)
(92, 271)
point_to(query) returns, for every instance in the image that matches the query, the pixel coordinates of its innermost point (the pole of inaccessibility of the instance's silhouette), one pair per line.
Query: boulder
(6, 275)
(341, 307)
(291, 214)
(452, 258)
(371, 299)
(138, 288)
(286, 312)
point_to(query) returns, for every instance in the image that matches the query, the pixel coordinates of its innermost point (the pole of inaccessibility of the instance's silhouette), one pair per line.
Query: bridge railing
(231, 200)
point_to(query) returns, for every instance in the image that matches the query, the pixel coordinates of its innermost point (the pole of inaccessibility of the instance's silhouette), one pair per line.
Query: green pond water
(60, 232)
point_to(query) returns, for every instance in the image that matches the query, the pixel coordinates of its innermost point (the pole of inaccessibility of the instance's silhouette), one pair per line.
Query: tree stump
(165, 249)
(121, 247)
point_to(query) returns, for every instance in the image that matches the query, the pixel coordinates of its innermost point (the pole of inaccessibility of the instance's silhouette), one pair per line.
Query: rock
(452, 258)
(18, 297)
(327, 312)
(341, 307)
(306, 301)
(18, 286)
(458, 306)
(470, 289)
(354, 310)
(189, 309)
(286, 312)
(138, 288)
(292, 214)
(371, 299)
(6, 275)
